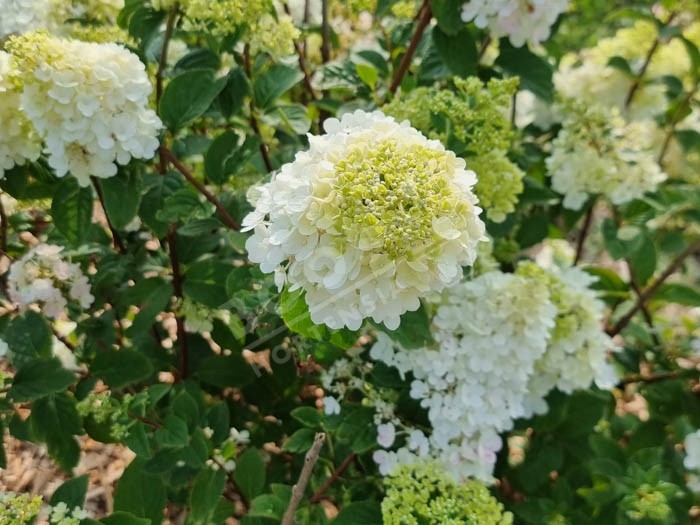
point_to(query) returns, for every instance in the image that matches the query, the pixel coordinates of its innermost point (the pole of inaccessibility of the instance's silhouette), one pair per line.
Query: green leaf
(188, 96)
(183, 205)
(206, 490)
(39, 378)
(677, 293)
(54, 420)
(643, 260)
(307, 416)
(449, 15)
(269, 86)
(140, 493)
(234, 93)
(458, 51)
(368, 74)
(300, 441)
(205, 282)
(199, 58)
(154, 200)
(294, 117)
(173, 433)
(225, 371)
(414, 330)
(250, 473)
(28, 337)
(360, 513)
(296, 316)
(125, 518)
(534, 71)
(119, 368)
(71, 492)
(157, 297)
(71, 210)
(220, 151)
(122, 197)
(267, 506)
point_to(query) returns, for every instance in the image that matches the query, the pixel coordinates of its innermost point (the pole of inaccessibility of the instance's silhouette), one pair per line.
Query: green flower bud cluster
(389, 195)
(18, 509)
(474, 116)
(422, 494)
(648, 504)
(103, 408)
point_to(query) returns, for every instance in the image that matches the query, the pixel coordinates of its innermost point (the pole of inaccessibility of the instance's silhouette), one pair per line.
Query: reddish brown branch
(163, 59)
(645, 295)
(298, 490)
(179, 166)
(318, 495)
(253, 121)
(583, 234)
(424, 18)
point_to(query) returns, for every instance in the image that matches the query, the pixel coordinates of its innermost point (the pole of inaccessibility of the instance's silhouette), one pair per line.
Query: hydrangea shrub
(363, 262)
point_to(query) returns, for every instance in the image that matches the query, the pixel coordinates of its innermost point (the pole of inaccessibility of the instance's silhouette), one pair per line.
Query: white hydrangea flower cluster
(691, 444)
(21, 16)
(370, 219)
(577, 351)
(504, 341)
(42, 276)
(520, 20)
(491, 331)
(88, 101)
(597, 152)
(18, 141)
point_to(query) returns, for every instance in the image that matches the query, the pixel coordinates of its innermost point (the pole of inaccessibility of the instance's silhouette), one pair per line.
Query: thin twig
(302, 61)
(637, 378)
(300, 486)
(253, 121)
(645, 295)
(583, 234)
(638, 79)
(424, 18)
(177, 290)
(483, 47)
(232, 482)
(179, 166)
(163, 59)
(325, 33)
(63, 340)
(648, 318)
(116, 239)
(336, 474)
(677, 115)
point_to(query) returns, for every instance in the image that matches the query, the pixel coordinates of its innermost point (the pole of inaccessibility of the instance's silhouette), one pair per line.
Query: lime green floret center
(387, 195)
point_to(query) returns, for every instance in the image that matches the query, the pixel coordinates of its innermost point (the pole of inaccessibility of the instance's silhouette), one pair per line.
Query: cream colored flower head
(370, 219)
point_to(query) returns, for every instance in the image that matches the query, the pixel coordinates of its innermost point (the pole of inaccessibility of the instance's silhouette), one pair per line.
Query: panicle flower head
(597, 152)
(692, 451)
(490, 333)
(18, 509)
(576, 354)
(19, 142)
(477, 121)
(422, 493)
(42, 277)
(88, 101)
(522, 21)
(370, 219)
(21, 16)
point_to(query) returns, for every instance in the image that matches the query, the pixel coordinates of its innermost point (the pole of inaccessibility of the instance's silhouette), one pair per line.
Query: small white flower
(692, 451)
(331, 406)
(386, 433)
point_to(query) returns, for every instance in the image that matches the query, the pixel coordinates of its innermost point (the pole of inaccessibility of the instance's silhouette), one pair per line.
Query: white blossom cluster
(598, 152)
(691, 444)
(18, 141)
(503, 342)
(21, 16)
(370, 219)
(89, 103)
(42, 277)
(520, 20)
(577, 349)
(60, 514)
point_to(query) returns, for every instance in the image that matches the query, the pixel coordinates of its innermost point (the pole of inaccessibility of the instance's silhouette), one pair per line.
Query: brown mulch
(31, 471)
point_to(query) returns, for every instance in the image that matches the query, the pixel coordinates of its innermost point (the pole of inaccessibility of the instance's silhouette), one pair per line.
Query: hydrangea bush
(364, 262)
